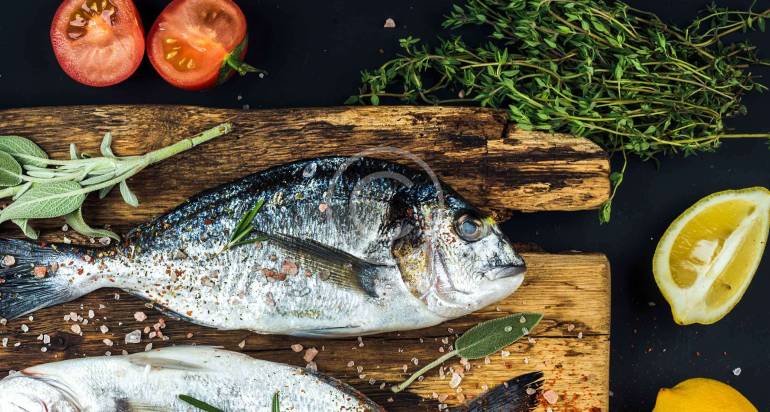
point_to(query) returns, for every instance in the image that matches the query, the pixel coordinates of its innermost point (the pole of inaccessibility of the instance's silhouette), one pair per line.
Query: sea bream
(341, 247)
(153, 382)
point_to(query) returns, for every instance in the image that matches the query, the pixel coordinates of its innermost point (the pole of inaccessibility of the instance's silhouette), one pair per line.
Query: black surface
(314, 51)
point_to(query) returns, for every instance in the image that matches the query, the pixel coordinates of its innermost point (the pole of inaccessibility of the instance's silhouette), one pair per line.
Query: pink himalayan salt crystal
(310, 354)
(140, 316)
(296, 347)
(551, 396)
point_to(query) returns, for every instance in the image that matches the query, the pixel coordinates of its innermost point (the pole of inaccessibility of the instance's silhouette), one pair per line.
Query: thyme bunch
(616, 75)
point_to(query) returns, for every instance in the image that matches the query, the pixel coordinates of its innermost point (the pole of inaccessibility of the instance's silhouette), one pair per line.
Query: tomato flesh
(192, 40)
(98, 42)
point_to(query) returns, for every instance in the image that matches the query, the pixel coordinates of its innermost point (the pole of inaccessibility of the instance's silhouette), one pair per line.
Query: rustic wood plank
(496, 168)
(571, 345)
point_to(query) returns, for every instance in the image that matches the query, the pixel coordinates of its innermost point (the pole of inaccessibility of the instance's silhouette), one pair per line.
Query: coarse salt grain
(551, 396)
(351, 364)
(312, 366)
(140, 316)
(530, 391)
(9, 260)
(3, 321)
(487, 361)
(107, 342)
(455, 381)
(24, 328)
(148, 347)
(189, 335)
(296, 347)
(389, 23)
(415, 361)
(43, 349)
(310, 354)
(104, 329)
(580, 335)
(134, 337)
(737, 371)
(91, 314)
(75, 329)
(242, 344)
(505, 353)
(5, 342)
(46, 339)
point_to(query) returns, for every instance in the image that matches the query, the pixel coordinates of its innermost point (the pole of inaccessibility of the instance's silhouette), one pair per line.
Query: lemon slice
(708, 256)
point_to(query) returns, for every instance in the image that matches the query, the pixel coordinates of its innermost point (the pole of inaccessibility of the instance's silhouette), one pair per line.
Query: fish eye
(470, 228)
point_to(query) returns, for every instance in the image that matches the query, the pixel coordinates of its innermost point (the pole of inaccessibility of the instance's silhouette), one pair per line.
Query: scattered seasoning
(389, 23)
(46, 339)
(455, 381)
(76, 329)
(551, 396)
(91, 314)
(9, 261)
(134, 337)
(737, 371)
(310, 354)
(140, 316)
(107, 342)
(189, 335)
(43, 349)
(505, 353)
(351, 364)
(5, 342)
(104, 329)
(24, 328)
(40, 271)
(312, 366)
(242, 344)
(148, 347)
(3, 321)
(415, 361)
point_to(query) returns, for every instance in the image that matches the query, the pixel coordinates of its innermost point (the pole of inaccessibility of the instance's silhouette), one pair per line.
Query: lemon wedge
(708, 256)
(702, 395)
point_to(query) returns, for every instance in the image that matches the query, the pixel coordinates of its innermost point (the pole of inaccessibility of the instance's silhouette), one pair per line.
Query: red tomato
(198, 44)
(98, 42)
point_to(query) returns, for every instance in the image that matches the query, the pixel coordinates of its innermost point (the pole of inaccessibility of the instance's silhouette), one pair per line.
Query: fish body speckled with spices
(349, 246)
(153, 381)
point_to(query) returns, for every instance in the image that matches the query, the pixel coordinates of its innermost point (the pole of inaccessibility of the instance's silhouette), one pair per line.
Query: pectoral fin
(336, 266)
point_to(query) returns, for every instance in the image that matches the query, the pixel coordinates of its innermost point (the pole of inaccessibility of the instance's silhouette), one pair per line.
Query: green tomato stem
(240, 66)
(403, 385)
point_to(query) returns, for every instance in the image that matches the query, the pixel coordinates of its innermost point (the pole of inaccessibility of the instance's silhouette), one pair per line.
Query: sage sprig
(41, 188)
(483, 340)
(199, 404)
(603, 70)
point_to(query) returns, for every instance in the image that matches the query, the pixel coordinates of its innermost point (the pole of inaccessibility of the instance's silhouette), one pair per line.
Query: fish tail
(519, 394)
(34, 276)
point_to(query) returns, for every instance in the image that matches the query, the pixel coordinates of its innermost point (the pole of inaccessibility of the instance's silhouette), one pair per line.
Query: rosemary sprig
(47, 188)
(244, 228)
(602, 70)
(199, 404)
(482, 340)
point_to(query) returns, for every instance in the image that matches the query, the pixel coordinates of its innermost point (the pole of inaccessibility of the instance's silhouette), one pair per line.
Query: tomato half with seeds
(198, 44)
(98, 42)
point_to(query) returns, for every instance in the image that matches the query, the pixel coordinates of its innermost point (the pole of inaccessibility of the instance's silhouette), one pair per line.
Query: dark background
(314, 51)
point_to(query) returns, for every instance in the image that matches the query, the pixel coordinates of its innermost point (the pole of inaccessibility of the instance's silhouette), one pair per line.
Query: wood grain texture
(498, 168)
(571, 345)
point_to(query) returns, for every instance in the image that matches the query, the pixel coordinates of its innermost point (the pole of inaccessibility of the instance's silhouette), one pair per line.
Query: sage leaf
(74, 152)
(106, 146)
(10, 171)
(482, 340)
(199, 404)
(45, 200)
(128, 196)
(18, 146)
(77, 223)
(491, 336)
(26, 228)
(21, 190)
(103, 192)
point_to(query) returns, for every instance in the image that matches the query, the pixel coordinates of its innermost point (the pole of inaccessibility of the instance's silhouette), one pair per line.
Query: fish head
(453, 257)
(30, 393)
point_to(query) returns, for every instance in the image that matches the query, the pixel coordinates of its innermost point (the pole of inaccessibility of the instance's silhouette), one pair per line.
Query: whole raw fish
(153, 381)
(350, 246)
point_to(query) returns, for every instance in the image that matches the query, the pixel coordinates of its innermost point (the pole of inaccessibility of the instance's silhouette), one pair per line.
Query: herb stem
(403, 385)
(187, 144)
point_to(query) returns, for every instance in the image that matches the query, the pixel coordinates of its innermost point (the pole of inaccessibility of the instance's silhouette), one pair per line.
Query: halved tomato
(198, 44)
(98, 42)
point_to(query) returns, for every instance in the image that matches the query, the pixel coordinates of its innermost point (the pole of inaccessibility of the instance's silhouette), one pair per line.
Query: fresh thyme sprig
(244, 228)
(606, 71)
(43, 188)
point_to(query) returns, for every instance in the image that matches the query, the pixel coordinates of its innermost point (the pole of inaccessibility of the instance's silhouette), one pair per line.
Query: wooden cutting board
(492, 163)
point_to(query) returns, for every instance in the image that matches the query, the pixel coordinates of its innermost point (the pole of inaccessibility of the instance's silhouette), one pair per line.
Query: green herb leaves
(602, 70)
(244, 227)
(199, 404)
(43, 188)
(483, 340)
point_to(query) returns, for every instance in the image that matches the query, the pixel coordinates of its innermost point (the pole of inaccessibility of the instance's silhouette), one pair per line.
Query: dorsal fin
(342, 268)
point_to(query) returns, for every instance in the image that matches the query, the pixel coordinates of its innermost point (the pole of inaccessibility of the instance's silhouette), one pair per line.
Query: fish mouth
(503, 272)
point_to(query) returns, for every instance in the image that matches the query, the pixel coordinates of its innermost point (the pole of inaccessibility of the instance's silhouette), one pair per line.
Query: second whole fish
(350, 246)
